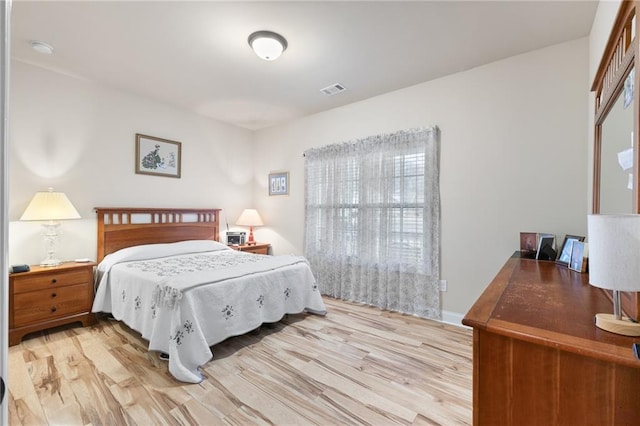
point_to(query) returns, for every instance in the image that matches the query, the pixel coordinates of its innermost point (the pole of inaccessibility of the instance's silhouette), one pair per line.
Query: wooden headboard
(125, 227)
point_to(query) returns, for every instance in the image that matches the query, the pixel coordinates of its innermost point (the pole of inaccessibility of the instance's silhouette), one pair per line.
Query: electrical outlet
(443, 285)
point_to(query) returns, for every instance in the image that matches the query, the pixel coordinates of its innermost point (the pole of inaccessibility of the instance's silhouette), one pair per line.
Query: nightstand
(257, 248)
(47, 297)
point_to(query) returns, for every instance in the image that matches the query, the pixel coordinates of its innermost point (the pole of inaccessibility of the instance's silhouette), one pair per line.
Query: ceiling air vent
(333, 89)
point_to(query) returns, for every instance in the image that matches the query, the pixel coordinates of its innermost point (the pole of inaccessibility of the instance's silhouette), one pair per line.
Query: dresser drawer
(43, 305)
(39, 282)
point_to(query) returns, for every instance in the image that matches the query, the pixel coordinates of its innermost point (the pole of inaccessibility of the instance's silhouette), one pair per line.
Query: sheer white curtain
(372, 220)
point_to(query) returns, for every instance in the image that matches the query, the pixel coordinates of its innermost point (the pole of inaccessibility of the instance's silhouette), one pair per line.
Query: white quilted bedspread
(185, 297)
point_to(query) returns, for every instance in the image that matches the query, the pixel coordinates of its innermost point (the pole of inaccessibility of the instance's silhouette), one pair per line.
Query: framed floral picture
(157, 156)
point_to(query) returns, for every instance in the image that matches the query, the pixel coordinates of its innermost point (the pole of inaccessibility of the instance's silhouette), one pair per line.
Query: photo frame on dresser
(564, 257)
(546, 247)
(528, 244)
(579, 256)
(157, 156)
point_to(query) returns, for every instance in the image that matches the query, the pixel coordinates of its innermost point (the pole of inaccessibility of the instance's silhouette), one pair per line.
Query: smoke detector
(41, 47)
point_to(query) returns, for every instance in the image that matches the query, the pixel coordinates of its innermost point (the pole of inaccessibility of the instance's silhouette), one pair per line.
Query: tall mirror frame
(619, 58)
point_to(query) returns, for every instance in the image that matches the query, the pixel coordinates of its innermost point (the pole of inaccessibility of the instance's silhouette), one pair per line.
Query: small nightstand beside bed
(46, 297)
(163, 274)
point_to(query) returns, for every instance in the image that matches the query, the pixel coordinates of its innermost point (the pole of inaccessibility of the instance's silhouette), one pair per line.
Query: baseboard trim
(453, 318)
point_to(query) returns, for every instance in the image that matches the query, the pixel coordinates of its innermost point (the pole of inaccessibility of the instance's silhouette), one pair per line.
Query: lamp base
(48, 262)
(251, 241)
(51, 233)
(624, 326)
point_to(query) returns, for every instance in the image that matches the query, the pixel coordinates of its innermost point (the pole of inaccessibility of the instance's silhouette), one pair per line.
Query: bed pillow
(152, 251)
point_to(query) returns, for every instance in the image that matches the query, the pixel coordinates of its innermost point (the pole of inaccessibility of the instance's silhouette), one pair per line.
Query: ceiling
(195, 55)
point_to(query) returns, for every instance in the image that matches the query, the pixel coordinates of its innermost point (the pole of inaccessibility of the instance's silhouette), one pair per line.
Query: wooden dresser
(538, 358)
(48, 297)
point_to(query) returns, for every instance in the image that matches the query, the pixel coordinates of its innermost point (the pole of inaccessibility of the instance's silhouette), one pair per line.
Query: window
(374, 204)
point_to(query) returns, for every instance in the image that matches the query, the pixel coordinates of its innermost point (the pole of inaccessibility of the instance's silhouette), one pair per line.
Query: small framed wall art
(157, 156)
(279, 183)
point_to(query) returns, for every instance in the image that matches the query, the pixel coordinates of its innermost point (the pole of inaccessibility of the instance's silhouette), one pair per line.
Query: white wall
(513, 158)
(600, 30)
(80, 139)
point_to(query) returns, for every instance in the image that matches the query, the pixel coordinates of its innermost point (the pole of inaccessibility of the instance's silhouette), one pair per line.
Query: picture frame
(528, 244)
(564, 257)
(279, 183)
(579, 256)
(546, 247)
(158, 157)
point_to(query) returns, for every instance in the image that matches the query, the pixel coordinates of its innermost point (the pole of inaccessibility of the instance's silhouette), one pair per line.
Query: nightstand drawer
(42, 305)
(257, 248)
(45, 281)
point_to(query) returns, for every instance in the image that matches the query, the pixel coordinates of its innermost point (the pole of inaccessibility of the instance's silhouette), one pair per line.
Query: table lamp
(614, 264)
(250, 218)
(51, 207)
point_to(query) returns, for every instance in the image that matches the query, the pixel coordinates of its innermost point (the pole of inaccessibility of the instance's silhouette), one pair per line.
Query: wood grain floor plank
(23, 386)
(365, 396)
(100, 354)
(26, 411)
(192, 412)
(298, 395)
(358, 365)
(353, 411)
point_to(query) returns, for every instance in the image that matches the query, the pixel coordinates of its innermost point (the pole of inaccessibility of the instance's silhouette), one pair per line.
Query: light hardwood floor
(357, 365)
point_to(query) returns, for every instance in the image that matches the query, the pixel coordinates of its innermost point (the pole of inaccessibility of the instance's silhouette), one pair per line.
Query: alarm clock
(19, 268)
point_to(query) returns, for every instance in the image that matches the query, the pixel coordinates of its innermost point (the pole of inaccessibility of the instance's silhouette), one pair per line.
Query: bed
(163, 273)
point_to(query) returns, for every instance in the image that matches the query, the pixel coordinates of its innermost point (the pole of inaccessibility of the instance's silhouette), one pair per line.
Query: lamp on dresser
(614, 264)
(50, 206)
(250, 218)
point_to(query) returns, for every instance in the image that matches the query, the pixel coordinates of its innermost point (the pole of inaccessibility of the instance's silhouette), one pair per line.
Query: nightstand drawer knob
(54, 309)
(53, 294)
(53, 281)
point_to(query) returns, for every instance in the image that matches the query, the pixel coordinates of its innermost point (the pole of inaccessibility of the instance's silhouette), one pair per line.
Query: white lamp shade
(249, 217)
(50, 205)
(614, 251)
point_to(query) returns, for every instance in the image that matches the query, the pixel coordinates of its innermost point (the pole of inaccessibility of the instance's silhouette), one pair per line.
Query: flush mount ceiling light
(41, 47)
(267, 45)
